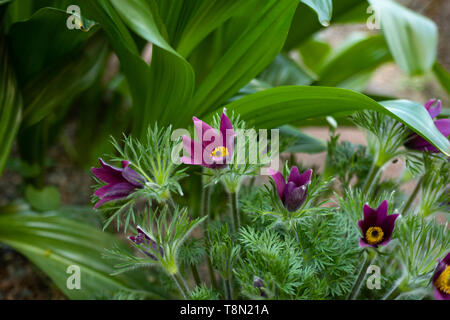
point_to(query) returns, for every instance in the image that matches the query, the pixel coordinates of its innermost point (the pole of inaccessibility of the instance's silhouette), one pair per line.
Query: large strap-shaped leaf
(168, 69)
(207, 18)
(305, 22)
(357, 60)
(412, 38)
(54, 243)
(41, 40)
(10, 104)
(59, 83)
(283, 105)
(250, 52)
(323, 8)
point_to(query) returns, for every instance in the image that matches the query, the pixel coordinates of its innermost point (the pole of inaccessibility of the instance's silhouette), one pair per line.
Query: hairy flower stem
(233, 201)
(396, 289)
(359, 280)
(206, 197)
(412, 196)
(195, 274)
(228, 289)
(181, 284)
(371, 178)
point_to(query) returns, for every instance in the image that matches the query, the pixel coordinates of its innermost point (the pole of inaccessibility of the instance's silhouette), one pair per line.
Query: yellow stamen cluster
(443, 281)
(219, 152)
(374, 235)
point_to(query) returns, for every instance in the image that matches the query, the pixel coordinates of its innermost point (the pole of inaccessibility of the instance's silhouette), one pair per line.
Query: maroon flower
(144, 240)
(215, 148)
(292, 193)
(443, 125)
(120, 183)
(377, 226)
(441, 279)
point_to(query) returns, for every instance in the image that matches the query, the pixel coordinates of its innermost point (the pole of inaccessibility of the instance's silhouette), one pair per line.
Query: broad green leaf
(411, 37)
(168, 69)
(356, 61)
(285, 71)
(323, 8)
(302, 143)
(443, 76)
(305, 22)
(59, 83)
(135, 69)
(43, 200)
(314, 52)
(46, 36)
(207, 18)
(53, 243)
(283, 105)
(10, 104)
(253, 49)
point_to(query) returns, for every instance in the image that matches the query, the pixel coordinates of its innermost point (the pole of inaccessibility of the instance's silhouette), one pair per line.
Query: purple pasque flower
(443, 125)
(293, 192)
(120, 182)
(144, 240)
(215, 148)
(377, 226)
(441, 279)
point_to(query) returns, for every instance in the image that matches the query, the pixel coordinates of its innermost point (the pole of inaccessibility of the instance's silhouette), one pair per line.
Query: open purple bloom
(377, 226)
(443, 125)
(293, 192)
(441, 279)
(120, 182)
(144, 240)
(215, 148)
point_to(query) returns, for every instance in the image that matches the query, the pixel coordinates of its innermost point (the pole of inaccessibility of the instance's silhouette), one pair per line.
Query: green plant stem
(233, 201)
(359, 280)
(195, 275)
(412, 196)
(181, 284)
(395, 291)
(206, 197)
(371, 178)
(228, 289)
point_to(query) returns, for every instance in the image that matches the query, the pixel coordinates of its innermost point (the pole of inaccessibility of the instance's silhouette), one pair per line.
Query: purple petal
(382, 211)
(388, 225)
(194, 149)
(294, 198)
(447, 259)
(204, 132)
(363, 243)
(370, 215)
(120, 190)
(439, 269)
(443, 125)
(133, 177)
(438, 295)
(107, 173)
(434, 112)
(101, 191)
(280, 183)
(300, 179)
(226, 127)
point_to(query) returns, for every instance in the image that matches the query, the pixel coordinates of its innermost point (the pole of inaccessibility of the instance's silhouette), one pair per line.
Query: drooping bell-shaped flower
(377, 226)
(259, 284)
(416, 142)
(293, 192)
(120, 182)
(214, 148)
(149, 246)
(441, 279)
